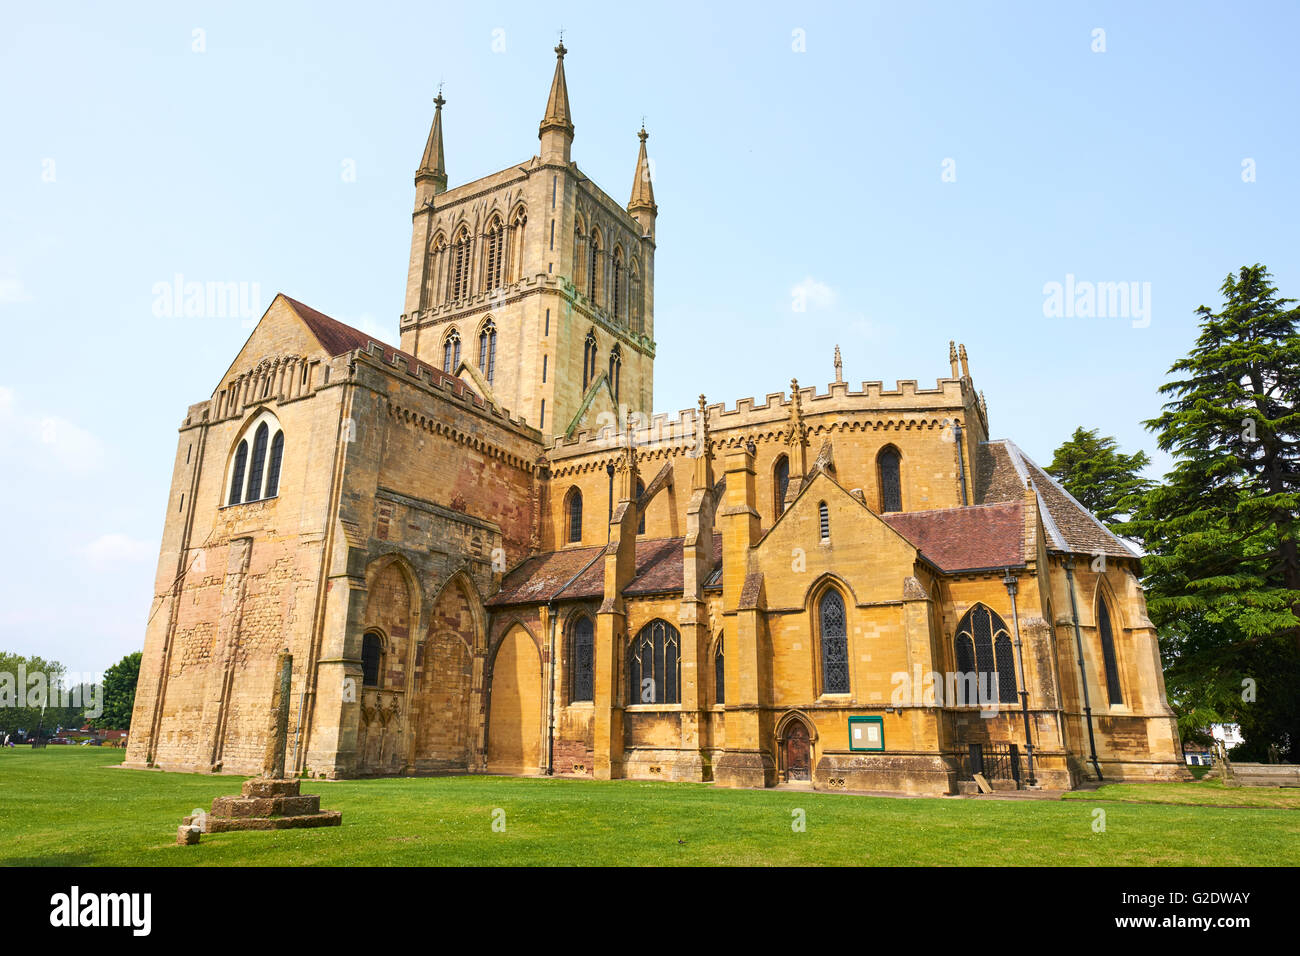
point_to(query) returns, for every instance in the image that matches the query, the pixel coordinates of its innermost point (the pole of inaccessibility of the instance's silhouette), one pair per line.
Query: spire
(433, 164)
(643, 192)
(556, 129)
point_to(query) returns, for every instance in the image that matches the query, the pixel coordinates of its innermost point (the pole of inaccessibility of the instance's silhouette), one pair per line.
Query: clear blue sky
(130, 157)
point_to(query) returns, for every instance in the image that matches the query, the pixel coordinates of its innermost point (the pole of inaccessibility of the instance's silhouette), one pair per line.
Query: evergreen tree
(1222, 571)
(1104, 480)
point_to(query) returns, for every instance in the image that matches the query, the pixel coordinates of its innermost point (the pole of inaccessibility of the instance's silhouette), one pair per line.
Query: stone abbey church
(487, 555)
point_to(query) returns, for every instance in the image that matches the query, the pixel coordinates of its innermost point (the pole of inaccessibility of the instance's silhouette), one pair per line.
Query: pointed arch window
(588, 361)
(719, 675)
(654, 671)
(983, 648)
(494, 241)
(487, 350)
(460, 266)
(260, 439)
(237, 474)
(640, 490)
(573, 511)
(273, 466)
(451, 352)
(516, 252)
(1111, 662)
(582, 658)
(833, 626)
(780, 485)
(593, 268)
(615, 287)
(615, 370)
(372, 653)
(889, 464)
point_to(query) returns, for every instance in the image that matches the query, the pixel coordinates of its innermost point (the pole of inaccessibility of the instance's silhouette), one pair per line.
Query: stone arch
(442, 688)
(392, 609)
(796, 746)
(515, 704)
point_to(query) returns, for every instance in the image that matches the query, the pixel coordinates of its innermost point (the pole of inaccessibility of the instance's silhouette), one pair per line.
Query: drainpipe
(1009, 580)
(1083, 677)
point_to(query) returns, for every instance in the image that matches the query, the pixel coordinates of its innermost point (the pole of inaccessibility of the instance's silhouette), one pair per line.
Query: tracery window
(588, 361)
(891, 488)
(460, 266)
(1113, 688)
(451, 352)
(654, 671)
(255, 467)
(582, 658)
(719, 675)
(494, 249)
(615, 300)
(983, 648)
(834, 643)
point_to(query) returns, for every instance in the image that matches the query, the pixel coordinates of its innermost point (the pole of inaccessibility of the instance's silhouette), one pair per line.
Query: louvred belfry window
(835, 643)
(460, 268)
(487, 350)
(495, 240)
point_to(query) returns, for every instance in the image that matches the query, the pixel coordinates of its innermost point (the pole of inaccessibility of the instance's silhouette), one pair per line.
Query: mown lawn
(72, 807)
(1199, 793)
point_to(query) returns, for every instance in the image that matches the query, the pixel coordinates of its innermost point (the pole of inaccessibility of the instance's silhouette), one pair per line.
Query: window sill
(653, 708)
(241, 504)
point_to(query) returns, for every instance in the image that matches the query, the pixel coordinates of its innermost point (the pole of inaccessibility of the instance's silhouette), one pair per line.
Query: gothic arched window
(834, 643)
(719, 676)
(372, 653)
(581, 657)
(451, 352)
(1108, 652)
(487, 350)
(615, 370)
(494, 251)
(588, 361)
(640, 490)
(237, 474)
(516, 254)
(593, 268)
(780, 485)
(888, 463)
(260, 440)
(460, 266)
(273, 466)
(983, 648)
(573, 511)
(653, 665)
(615, 299)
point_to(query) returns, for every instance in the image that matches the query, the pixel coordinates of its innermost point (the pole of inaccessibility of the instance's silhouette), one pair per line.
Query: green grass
(72, 807)
(1205, 793)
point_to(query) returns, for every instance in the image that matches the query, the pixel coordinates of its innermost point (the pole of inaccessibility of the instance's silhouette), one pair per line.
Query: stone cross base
(266, 805)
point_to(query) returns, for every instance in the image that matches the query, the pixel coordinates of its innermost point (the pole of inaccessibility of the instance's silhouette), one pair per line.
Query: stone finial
(952, 358)
(839, 366)
(961, 354)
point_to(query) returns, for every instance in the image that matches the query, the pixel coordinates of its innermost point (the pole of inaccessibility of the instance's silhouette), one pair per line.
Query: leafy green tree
(27, 704)
(1222, 572)
(119, 693)
(1103, 479)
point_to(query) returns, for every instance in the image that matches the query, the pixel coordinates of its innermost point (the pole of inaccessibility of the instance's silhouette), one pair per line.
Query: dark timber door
(798, 756)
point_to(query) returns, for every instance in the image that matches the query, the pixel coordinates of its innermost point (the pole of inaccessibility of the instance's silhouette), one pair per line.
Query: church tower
(533, 284)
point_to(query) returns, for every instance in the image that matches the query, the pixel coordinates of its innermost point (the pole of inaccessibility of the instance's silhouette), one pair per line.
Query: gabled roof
(973, 538)
(544, 577)
(336, 338)
(1001, 470)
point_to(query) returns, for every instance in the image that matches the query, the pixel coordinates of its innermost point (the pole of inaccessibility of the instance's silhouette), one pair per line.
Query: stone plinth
(266, 805)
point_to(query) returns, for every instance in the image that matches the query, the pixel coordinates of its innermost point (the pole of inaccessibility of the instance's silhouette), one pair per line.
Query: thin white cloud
(12, 291)
(62, 445)
(811, 293)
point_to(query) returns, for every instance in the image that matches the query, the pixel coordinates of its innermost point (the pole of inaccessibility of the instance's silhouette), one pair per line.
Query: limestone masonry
(485, 553)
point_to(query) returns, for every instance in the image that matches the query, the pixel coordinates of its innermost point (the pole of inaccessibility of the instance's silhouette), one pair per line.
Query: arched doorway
(796, 751)
(515, 707)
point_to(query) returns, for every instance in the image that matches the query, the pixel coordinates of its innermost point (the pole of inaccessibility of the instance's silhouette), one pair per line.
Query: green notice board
(866, 733)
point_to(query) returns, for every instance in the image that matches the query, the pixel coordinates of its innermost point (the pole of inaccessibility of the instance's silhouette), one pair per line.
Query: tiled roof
(543, 577)
(337, 338)
(1000, 473)
(966, 539)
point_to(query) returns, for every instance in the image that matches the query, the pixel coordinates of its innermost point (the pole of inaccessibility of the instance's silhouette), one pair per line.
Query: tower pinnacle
(433, 166)
(556, 128)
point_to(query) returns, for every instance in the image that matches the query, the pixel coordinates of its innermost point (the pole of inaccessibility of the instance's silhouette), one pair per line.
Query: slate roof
(966, 539)
(337, 338)
(1000, 473)
(544, 577)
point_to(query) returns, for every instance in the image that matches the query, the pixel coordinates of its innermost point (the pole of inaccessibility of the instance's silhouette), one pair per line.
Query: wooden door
(798, 752)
